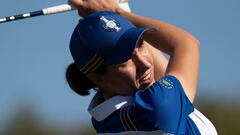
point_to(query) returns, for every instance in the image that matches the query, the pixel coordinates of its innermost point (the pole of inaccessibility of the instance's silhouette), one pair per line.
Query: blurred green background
(24, 121)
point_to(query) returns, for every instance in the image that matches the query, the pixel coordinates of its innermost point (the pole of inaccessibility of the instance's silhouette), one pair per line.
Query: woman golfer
(114, 52)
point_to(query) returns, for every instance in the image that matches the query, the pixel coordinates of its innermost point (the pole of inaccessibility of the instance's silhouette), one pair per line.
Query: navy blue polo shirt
(163, 108)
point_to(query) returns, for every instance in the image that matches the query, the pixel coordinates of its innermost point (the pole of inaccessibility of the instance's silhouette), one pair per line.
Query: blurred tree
(225, 117)
(26, 122)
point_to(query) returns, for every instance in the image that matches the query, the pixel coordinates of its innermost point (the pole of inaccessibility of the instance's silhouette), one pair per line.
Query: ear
(96, 78)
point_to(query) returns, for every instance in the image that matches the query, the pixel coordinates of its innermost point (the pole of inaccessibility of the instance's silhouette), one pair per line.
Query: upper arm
(164, 106)
(182, 47)
(184, 64)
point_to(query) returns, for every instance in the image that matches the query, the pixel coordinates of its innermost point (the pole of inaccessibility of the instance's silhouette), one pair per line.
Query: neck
(107, 95)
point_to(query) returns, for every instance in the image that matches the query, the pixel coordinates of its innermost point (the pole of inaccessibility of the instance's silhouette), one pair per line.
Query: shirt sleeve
(163, 106)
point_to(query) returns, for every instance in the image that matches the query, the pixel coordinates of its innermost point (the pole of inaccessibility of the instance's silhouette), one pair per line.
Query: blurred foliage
(225, 117)
(26, 122)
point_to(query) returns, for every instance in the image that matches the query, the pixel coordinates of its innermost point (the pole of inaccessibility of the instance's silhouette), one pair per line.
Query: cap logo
(110, 24)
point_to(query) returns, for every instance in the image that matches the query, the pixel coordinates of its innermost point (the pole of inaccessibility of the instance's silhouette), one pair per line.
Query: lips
(146, 79)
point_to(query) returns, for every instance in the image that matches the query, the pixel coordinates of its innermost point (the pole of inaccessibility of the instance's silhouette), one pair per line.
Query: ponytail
(77, 81)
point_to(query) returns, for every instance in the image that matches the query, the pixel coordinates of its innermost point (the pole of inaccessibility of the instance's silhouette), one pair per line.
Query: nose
(141, 61)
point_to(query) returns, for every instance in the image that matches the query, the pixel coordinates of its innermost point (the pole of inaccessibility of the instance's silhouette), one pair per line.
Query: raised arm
(182, 47)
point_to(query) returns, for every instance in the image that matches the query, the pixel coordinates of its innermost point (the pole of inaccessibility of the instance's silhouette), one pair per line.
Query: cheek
(124, 80)
(148, 54)
(127, 76)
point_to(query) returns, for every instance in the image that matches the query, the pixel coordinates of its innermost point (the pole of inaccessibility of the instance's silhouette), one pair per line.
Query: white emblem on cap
(110, 25)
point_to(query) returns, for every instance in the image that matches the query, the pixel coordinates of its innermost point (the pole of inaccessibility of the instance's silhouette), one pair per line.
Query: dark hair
(79, 82)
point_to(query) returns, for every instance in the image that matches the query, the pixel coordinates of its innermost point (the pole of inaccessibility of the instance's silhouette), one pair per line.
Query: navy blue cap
(103, 37)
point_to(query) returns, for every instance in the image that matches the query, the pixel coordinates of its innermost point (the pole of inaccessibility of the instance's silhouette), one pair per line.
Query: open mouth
(146, 79)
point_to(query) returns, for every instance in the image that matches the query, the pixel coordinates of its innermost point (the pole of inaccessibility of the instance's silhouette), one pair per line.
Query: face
(135, 73)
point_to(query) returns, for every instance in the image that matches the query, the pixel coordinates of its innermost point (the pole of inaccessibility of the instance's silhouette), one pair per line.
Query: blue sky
(34, 54)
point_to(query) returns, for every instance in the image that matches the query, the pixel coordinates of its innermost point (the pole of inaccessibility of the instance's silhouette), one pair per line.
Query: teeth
(146, 77)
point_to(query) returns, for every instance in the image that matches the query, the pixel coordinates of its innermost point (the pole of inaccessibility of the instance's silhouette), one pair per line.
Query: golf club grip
(53, 10)
(57, 9)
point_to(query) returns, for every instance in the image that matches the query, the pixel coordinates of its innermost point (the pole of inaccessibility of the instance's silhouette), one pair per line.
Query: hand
(86, 7)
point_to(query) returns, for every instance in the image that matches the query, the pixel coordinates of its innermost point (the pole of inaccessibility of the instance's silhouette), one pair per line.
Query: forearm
(166, 37)
(182, 47)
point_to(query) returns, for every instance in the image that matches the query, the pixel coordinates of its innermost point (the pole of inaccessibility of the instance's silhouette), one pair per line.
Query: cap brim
(125, 46)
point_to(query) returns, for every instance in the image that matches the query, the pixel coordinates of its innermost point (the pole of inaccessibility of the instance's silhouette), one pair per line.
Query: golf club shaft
(53, 10)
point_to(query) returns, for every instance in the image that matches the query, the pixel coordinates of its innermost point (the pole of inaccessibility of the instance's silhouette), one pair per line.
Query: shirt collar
(101, 110)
